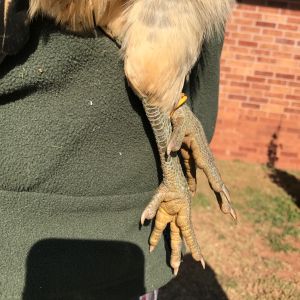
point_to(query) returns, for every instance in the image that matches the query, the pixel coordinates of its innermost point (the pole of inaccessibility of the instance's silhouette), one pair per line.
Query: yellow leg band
(182, 100)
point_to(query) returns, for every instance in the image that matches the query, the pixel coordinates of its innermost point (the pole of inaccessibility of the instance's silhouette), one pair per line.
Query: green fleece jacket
(78, 164)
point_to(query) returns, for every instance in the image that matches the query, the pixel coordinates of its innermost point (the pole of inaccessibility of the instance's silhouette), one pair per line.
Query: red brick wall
(260, 84)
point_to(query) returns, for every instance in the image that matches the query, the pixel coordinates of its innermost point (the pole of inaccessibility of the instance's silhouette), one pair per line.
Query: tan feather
(161, 39)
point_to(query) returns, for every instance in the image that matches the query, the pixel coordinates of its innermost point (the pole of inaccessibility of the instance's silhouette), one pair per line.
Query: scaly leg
(172, 201)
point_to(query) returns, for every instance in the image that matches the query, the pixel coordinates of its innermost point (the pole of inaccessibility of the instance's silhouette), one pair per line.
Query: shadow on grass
(193, 283)
(285, 180)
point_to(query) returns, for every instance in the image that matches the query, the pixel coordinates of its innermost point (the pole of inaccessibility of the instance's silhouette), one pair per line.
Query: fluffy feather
(161, 39)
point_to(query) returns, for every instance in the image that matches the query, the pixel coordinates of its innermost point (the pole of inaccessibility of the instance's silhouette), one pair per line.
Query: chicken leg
(172, 200)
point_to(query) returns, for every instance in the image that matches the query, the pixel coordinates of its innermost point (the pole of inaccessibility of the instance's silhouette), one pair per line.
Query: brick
(285, 41)
(294, 84)
(261, 86)
(270, 46)
(289, 154)
(231, 90)
(259, 100)
(235, 77)
(292, 34)
(251, 105)
(243, 21)
(266, 24)
(244, 57)
(279, 89)
(237, 97)
(294, 20)
(223, 82)
(247, 44)
(231, 28)
(225, 69)
(279, 102)
(250, 29)
(263, 73)
(263, 39)
(285, 76)
(255, 79)
(268, 60)
(276, 81)
(288, 27)
(293, 97)
(251, 92)
(288, 55)
(260, 52)
(292, 110)
(236, 49)
(274, 95)
(252, 15)
(273, 18)
(286, 48)
(272, 32)
(240, 84)
(230, 41)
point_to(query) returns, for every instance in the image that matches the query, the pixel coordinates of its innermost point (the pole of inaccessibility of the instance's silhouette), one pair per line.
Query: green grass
(277, 243)
(277, 213)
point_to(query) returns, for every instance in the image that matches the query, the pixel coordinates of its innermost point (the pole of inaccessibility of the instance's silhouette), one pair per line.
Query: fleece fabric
(78, 164)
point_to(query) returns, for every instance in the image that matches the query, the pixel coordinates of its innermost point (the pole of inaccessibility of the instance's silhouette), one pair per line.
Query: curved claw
(143, 217)
(233, 214)
(202, 263)
(226, 199)
(175, 271)
(148, 214)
